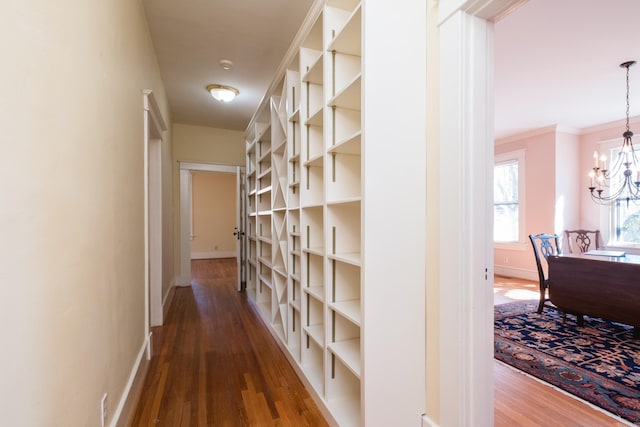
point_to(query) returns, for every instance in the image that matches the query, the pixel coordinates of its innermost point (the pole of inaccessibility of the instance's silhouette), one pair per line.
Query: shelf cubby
(343, 393)
(279, 242)
(312, 229)
(349, 96)
(312, 362)
(314, 107)
(344, 232)
(347, 28)
(345, 288)
(313, 70)
(346, 125)
(314, 39)
(250, 227)
(294, 335)
(313, 276)
(264, 252)
(263, 229)
(313, 188)
(263, 201)
(251, 277)
(263, 295)
(344, 177)
(314, 316)
(314, 143)
(292, 94)
(280, 307)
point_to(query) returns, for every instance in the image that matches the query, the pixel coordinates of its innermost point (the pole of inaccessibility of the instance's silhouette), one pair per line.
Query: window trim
(519, 157)
(608, 212)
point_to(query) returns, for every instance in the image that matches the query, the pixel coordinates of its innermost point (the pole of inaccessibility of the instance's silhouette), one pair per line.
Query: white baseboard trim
(520, 273)
(213, 255)
(127, 404)
(166, 301)
(182, 281)
(428, 422)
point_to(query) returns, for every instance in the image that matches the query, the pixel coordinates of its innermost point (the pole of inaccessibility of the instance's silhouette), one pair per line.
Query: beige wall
(214, 214)
(199, 144)
(71, 216)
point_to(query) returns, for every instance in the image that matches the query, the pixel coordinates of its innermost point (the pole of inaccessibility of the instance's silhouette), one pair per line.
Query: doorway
(465, 144)
(154, 127)
(187, 171)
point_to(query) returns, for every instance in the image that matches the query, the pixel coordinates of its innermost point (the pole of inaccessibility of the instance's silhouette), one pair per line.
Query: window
(625, 215)
(508, 198)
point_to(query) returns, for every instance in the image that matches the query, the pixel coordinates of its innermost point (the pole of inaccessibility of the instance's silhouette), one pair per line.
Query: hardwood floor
(215, 364)
(523, 401)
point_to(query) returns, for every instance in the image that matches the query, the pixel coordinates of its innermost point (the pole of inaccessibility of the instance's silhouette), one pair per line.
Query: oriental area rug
(599, 363)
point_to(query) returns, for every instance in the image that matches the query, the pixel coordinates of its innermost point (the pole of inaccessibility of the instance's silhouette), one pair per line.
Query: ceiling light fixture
(223, 93)
(622, 181)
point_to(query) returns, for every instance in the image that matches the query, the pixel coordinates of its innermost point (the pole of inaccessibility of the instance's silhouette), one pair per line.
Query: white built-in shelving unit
(305, 161)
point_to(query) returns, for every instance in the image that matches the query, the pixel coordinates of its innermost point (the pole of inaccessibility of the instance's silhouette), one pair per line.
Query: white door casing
(154, 126)
(186, 168)
(466, 147)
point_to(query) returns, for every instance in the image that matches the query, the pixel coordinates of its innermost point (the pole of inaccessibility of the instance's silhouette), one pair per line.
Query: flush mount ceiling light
(222, 93)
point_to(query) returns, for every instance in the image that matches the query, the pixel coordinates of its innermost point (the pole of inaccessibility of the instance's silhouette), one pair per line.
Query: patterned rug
(600, 362)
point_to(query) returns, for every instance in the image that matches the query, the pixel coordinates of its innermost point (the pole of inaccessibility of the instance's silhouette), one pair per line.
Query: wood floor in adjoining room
(523, 401)
(215, 364)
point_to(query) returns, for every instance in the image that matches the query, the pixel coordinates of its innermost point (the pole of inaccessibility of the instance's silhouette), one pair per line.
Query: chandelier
(622, 181)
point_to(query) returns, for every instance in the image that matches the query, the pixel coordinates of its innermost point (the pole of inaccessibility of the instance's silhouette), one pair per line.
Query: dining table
(601, 283)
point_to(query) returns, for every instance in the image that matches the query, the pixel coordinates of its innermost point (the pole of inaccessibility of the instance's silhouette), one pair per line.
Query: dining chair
(580, 241)
(544, 246)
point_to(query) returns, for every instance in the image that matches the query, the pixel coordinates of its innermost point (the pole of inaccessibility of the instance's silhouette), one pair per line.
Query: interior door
(239, 230)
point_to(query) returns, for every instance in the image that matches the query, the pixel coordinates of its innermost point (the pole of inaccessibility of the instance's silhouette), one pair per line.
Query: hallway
(215, 364)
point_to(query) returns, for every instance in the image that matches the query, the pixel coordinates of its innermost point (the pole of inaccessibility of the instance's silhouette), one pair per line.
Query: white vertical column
(394, 217)
(466, 251)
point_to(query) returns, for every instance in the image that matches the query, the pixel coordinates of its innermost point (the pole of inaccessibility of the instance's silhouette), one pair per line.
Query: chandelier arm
(622, 170)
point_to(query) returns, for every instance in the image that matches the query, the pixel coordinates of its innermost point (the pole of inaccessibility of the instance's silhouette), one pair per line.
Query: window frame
(519, 157)
(608, 213)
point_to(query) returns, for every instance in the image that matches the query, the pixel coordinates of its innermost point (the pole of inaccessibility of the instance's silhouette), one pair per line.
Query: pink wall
(556, 194)
(540, 177)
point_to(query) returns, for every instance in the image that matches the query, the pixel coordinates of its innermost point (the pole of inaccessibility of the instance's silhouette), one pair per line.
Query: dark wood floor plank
(215, 364)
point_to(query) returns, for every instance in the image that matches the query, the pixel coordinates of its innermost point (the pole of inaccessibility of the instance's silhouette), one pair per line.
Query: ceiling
(556, 62)
(191, 37)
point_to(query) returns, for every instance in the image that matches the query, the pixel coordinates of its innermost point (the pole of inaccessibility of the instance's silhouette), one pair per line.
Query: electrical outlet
(103, 410)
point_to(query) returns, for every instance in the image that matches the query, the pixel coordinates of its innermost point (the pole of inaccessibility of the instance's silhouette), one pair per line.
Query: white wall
(71, 206)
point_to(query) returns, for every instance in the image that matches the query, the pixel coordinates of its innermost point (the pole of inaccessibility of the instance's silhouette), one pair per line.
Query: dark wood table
(600, 286)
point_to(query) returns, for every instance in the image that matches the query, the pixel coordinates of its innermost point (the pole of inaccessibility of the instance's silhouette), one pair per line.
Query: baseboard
(428, 422)
(520, 273)
(129, 399)
(213, 255)
(168, 297)
(182, 281)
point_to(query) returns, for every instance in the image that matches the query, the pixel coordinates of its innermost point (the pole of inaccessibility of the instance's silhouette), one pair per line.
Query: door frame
(186, 170)
(154, 127)
(466, 145)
